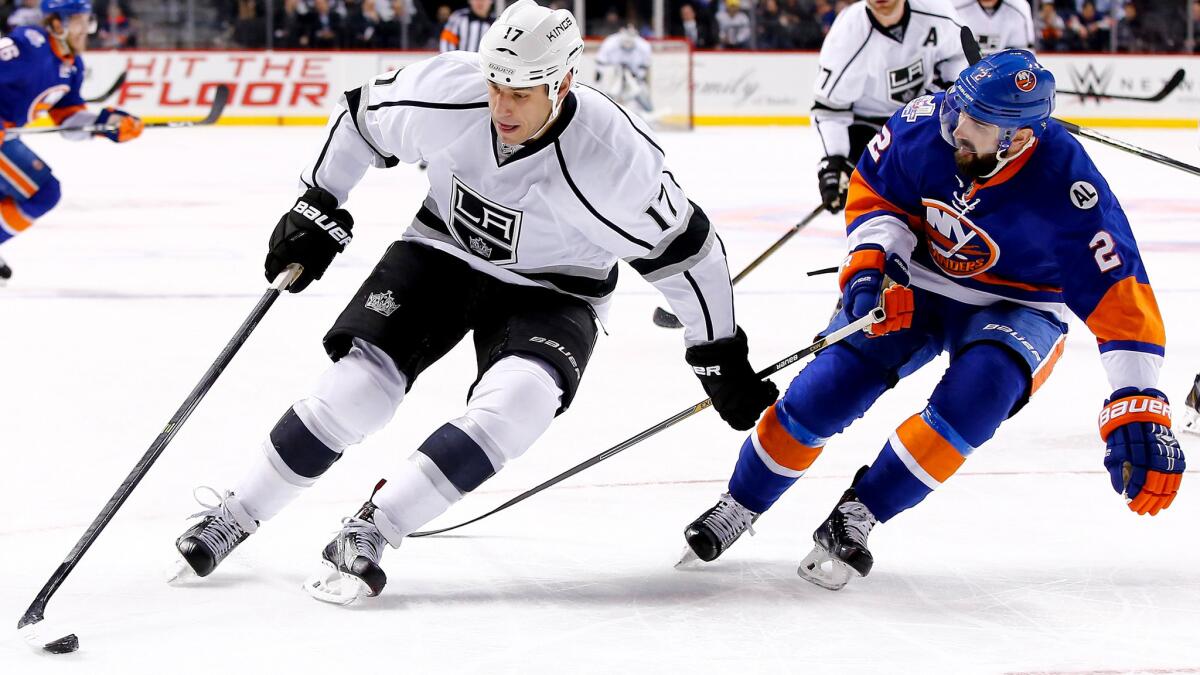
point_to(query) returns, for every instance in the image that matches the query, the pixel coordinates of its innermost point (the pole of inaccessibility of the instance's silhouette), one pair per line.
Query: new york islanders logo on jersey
(956, 244)
(46, 100)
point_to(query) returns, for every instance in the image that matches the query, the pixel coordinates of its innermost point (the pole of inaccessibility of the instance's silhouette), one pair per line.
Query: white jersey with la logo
(867, 72)
(1008, 25)
(556, 212)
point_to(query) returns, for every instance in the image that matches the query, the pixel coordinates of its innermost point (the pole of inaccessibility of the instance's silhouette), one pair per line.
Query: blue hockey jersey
(1045, 231)
(36, 78)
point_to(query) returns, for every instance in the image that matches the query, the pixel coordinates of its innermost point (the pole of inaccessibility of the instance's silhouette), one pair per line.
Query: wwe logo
(383, 303)
(1091, 81)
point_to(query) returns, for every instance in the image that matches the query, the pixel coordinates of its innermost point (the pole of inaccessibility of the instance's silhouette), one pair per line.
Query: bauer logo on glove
(1144, 461)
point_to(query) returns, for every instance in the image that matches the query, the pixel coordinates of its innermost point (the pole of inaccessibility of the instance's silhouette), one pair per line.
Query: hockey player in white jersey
(623, 69)
(536, 190)
(878, 56)
(998, 24)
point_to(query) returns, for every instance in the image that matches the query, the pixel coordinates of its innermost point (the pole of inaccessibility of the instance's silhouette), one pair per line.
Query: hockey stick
(971, 49)
(665, 319)
(28, 625)
(111, 90)
(1169, 87)
(838, 335)
(214, 113)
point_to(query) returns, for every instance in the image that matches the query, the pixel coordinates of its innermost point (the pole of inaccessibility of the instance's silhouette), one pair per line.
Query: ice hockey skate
(203, 546)
(841, 544)
(1191, 409)
(715, 531)
(5, 272)
(350, 563)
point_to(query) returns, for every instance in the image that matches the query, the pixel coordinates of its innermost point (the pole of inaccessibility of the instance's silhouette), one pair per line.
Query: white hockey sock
(354, 398)
(263, 490)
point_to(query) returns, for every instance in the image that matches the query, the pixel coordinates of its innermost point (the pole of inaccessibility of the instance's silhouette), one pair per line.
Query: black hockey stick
(220, 99)
(665, 319)
(28, 625)
(838, 335)
(1169, 87)
(111, 90)
(971, 49)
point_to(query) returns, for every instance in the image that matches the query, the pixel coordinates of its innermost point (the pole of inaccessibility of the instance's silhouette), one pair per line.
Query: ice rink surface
(1025, 562)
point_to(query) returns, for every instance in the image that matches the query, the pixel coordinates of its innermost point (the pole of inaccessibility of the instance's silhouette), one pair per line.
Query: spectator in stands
(1051, 29)
(695, 28)
(1090, 30)
(27, 13)
(733, 26)
(772, 27)
(362, 26)
(248, 26)
(325, 30)
(292, 31)
(610, 24)
(824, 14)
(117, 30)
(1132, 31)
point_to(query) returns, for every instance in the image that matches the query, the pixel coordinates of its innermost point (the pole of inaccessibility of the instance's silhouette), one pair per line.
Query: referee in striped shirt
(465, 27)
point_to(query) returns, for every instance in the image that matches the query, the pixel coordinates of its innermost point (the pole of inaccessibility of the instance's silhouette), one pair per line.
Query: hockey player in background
(878, 56)
(536, 189)
(993, 223)
(623, 70)
(998, 24)
(41, 68)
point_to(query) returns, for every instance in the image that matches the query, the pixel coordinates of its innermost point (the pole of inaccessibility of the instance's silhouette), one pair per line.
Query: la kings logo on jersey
(904, 84)
(483, 227)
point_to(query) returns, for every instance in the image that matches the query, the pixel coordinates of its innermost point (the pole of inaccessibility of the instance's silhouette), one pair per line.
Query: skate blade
(689, 560)
(180, 573)
(330, 585)
(822, 569)
(1192, 425)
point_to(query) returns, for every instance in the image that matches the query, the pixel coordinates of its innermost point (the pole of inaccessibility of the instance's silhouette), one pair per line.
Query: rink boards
(728, 88)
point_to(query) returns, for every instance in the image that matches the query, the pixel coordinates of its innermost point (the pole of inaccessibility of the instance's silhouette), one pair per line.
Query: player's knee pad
(979, 390)
(510, 407)
(355, 397)
(832, 391)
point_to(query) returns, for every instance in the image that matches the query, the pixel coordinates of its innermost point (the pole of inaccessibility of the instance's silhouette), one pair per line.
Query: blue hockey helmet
(1009, 90)
(66, 8)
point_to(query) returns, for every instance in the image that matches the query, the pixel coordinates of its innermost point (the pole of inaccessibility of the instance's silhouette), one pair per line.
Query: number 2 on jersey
(1106, 257)
(879, 143)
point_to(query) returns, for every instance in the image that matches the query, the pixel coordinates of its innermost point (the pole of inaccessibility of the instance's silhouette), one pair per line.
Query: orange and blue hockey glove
(865, 285)
(122, 126)
(1144, 461)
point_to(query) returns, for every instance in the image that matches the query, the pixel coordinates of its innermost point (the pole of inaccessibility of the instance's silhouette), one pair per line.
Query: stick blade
(1170, 86)
(220, 99)
(34, 632)
(664, 319)
(970, 46)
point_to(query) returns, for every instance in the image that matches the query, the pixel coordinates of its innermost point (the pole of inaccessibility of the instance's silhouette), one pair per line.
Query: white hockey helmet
(529, 45)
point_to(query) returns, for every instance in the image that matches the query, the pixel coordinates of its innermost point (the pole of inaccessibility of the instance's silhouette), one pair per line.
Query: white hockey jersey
(557, 213)
(867, 72)
(626, 51)
(1008, 25)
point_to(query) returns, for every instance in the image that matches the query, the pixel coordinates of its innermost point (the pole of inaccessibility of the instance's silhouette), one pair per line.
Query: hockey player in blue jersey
(40, 72)
(944, 234)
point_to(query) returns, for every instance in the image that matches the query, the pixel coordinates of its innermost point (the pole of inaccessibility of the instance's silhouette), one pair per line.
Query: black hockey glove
(833, 178)
(312, 233)
(725, 373)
